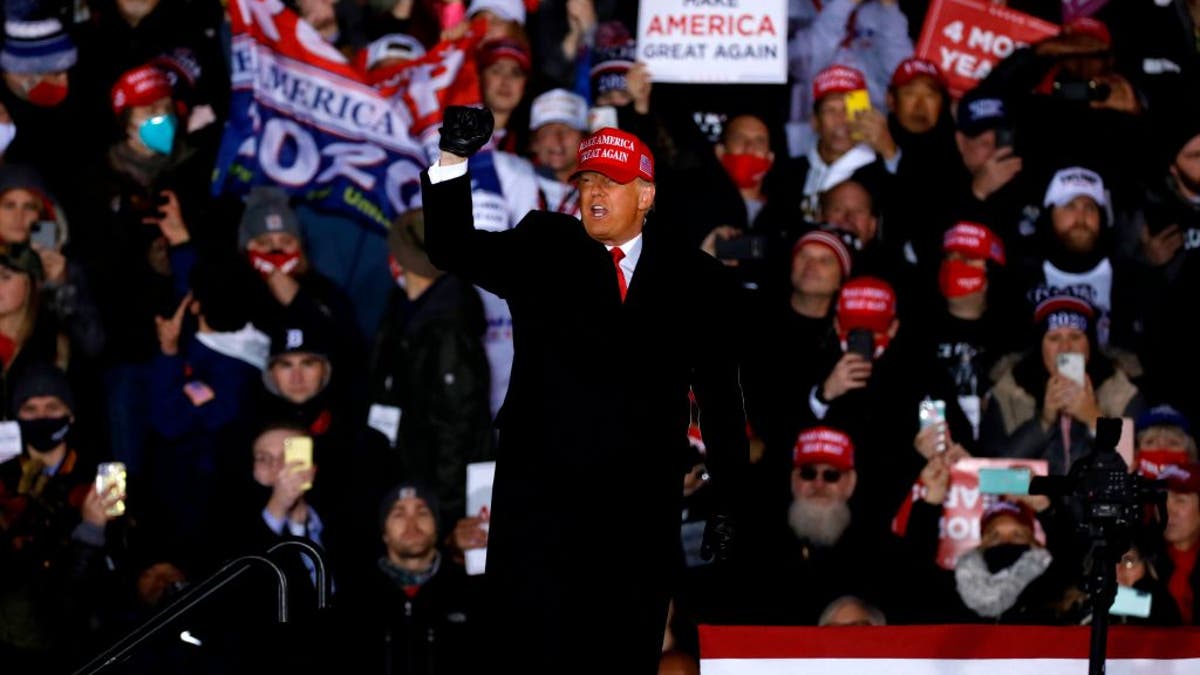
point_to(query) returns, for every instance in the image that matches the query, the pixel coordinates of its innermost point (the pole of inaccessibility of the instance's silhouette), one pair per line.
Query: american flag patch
(645, 166)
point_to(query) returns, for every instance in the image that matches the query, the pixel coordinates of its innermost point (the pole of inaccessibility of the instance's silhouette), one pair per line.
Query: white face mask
(8, 131)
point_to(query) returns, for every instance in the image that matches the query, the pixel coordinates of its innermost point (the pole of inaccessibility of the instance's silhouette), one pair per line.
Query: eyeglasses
(809, 472)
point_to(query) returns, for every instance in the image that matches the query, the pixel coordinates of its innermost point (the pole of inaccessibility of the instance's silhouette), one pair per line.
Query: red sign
(964, 506)
(967, 38)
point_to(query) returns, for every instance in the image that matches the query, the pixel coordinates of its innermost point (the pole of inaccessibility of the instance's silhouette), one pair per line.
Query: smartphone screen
(298, 449)
(857, 101)
(110, 480)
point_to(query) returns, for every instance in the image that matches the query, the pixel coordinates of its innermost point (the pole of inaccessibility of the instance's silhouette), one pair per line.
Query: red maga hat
(974, 241)
(141, 86)
(866, 302)
(824, 445)
(617, 154)
(837, 80)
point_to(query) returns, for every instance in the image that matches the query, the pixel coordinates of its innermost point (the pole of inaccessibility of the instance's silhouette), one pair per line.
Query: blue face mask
(158, 133)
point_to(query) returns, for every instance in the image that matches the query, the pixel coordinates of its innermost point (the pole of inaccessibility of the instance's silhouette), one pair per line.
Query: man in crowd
(557, 122)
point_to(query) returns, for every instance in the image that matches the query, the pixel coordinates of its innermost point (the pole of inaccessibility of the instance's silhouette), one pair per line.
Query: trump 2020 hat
(824, 445)
(978, 113)
(558, 105)
(1072, 182)
(617, 154)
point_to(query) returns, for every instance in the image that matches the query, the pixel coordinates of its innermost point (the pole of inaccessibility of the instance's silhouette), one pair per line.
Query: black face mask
(46, 433)
(1003, 556)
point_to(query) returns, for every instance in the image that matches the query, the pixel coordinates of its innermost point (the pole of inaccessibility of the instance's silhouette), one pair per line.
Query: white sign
(479, 502)
(714, 41)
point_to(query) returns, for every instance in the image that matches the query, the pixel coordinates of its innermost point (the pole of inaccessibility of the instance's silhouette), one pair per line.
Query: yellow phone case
(857, 101)
(299, 449)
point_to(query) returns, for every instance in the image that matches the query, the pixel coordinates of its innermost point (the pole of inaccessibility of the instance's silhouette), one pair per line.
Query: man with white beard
(825, 553)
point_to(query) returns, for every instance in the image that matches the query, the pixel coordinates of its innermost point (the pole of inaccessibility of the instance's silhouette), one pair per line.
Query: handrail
(314, 554)
(192, 597)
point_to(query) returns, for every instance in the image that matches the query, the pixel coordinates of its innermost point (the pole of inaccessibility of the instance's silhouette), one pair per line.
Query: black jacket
(593, 432)
(430, 363)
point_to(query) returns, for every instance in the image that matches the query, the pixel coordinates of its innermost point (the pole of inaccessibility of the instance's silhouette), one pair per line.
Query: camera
(1084, 91)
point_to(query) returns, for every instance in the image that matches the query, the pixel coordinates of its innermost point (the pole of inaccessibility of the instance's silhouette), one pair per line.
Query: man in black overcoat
(614, 319)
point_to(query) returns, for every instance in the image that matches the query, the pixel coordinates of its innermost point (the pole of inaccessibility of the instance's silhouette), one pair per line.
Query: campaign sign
(967, 38)
(714, 41)
(303, 119)
(958, 529)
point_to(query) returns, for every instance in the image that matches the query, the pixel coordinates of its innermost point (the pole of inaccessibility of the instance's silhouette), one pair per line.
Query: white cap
(394, 46)
(559, 105)
(1073, 182)
(512, 10)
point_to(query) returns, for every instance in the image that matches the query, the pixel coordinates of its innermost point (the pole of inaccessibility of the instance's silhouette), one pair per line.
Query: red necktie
(617, 255)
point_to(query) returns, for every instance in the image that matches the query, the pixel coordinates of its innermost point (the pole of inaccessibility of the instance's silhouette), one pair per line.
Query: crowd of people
(1021, 259)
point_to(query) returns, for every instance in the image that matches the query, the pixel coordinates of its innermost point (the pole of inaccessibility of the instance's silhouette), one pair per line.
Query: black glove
(465, 130)
(718, 541)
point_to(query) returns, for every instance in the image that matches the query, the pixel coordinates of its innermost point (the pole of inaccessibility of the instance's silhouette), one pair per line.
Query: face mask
(46, 433)
(8, 131)
(268, 262)
(47, 94)
(745, 170)
(1003, 556)
(956, 278)
(158, 133)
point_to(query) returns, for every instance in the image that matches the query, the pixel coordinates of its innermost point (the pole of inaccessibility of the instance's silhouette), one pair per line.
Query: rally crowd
(1024, 254)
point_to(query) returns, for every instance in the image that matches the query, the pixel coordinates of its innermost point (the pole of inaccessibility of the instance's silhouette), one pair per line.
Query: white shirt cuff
(439, 173)
(819, 409)
(892, 165)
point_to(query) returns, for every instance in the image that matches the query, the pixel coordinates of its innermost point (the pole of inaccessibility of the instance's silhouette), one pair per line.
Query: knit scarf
(991, 595)
(406, 579)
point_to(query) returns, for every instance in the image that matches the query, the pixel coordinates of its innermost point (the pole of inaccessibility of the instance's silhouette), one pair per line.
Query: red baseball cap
(1086, 25)
(491, 51)
(866, 302)
(141, 86)
(617, 154)
(837, 80)
(914, 67)
(824, 445)
(974, 241)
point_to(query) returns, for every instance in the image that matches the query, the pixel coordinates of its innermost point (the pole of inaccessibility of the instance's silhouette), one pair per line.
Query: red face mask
(745, 170)
(47, 94)
(266, 263)
(956, 278)
(8, 347)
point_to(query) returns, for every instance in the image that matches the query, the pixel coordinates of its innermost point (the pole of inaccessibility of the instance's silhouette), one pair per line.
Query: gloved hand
(465, 130)
(719, 536)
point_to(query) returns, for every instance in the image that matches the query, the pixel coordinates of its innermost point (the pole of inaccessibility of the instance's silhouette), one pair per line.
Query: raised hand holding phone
(298, 457)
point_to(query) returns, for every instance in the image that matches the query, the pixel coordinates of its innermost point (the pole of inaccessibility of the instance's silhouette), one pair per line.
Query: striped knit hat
(34, 40)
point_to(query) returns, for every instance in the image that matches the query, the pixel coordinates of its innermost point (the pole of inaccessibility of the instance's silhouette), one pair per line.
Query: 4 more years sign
(729, 41)
(967, 38)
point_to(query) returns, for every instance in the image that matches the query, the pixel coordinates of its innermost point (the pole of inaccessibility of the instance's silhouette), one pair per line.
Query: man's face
(299, 375)
(917, 105)
(746, 135)
(1186, 168)
(19, 210)
(410, 530)
(1183, 519)
(1006, 530)
(1077, 224)
(134, 11)
(1062, 340)
(816, 271)
(503, 85)
(831, 126)
(555, 146)
(14, 291)
(1163, 437)
(267, 242)
(976, 150)
(613, 213)
(43, 407)
(268, 455)
(812, 483)
(848, 206)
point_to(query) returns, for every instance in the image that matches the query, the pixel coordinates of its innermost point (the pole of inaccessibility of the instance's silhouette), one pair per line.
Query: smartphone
(1004, 481)
(44, 233)
(933, 412)
(861, 341)
(1071, 366)
(857, 101)
(746, 247)
(299, 449)
(110, 476)
(1004, 137)
(1083, 91)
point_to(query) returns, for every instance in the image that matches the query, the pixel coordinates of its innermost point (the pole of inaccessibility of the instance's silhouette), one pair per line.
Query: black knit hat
(404, 491)
(42, 379)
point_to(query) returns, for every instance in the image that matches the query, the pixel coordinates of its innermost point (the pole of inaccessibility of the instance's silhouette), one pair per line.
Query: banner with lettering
(714, 41)
(958, 529)
(967, 38)
(302, 118)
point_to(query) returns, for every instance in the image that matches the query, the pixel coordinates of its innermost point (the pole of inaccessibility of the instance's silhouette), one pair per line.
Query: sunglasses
(809, 472)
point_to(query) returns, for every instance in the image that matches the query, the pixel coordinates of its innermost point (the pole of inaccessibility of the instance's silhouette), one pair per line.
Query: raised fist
(465, 130)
